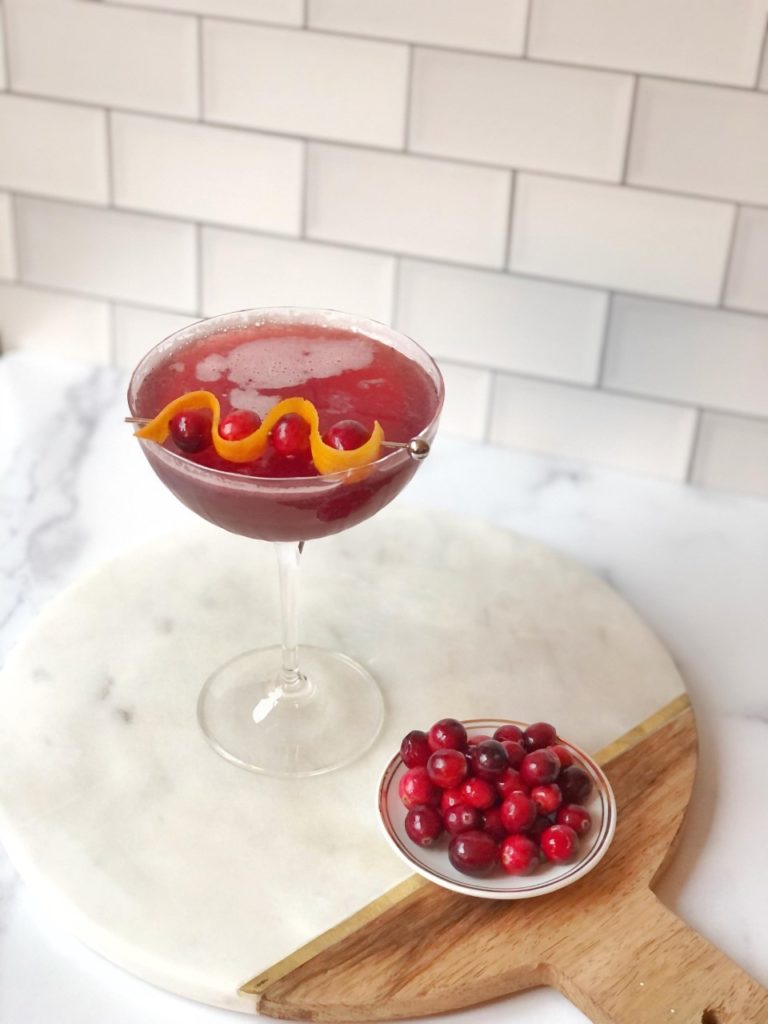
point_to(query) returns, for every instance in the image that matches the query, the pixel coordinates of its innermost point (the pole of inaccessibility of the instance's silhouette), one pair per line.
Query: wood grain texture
(605, 942)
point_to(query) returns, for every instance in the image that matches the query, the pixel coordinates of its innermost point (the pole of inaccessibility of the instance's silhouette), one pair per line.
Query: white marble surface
(75, 492)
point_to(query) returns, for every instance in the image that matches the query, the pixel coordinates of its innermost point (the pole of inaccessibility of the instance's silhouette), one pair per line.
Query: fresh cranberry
(239, 424)
(479, 737)
(576, 816)
(518, 855)
(346, 435)
(539, 767)
(491, 823)
(451, 797)
(547, 798)
(559, 843)
(461, 818)
(415, 750)
(515, 752)
(473, 853)
(423, 824)
(479, 793)
(538, 735)
(489, 759)
(290, 435)
(509, 732)
(191, 430)
(448, 734)
(416, 788)
(447, 768)
(511, 781)
(575, 784)
(537, 828)
(563, 754)
(518, 812)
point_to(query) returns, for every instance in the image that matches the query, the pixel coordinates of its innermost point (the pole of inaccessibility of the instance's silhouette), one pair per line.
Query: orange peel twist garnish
(326, 458)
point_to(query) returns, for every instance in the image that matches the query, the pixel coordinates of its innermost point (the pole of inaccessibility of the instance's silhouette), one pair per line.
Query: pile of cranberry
(515, 798)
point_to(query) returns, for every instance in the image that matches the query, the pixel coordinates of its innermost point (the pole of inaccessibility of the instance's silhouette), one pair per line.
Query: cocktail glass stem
(293, 683)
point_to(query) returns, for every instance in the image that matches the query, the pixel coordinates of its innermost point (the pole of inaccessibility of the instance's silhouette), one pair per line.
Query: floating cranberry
(415, 750)
(509, 732)
(346, 435)
(416, 788)
(449, 734)
(515, 752)
(563, 754)
(447, 768)
(479, 737)
(559, 843)
(479, 793)
(461, 818)
(518, 855)
(547, 798)
(511, 781)
(424, 824)
(489, 759)
(575, 784)
(518, 812)
(191, 430)
(490, 822)
(538, 735)
(473, 853)
(239, 424)
(290, 435)
(576, 816)
(539, 767)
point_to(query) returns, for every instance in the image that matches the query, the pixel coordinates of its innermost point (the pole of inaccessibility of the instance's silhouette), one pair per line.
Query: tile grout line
(510, 223)
(527, 30)
(6, 48)
(630, 129)
(305, 14)
(730, 249)
(763, 58)
(200, 71)
(695, 437)
(408, 119)
(603, 356)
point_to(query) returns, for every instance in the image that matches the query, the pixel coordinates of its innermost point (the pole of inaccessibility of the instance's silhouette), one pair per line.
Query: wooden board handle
(661, 971)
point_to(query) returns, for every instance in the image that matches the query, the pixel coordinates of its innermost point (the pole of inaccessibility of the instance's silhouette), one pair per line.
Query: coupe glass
(288, 710)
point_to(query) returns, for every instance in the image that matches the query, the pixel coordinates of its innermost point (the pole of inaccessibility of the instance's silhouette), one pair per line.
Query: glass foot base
(325, 722)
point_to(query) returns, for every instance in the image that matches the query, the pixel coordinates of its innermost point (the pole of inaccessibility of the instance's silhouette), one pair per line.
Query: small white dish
(432, 862)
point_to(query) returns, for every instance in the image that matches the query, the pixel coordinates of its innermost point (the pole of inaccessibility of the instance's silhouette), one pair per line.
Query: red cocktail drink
(278, 710)
(252, 362)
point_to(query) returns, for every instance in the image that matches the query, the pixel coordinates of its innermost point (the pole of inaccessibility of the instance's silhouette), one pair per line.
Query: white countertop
(76, 491)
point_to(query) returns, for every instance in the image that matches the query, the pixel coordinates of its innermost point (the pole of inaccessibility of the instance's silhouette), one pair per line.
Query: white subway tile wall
(407, 204)
(652, 347)
(502, 321)
(242, 270)
(138, 330)
(627, 238)
(520, 114)
(747, 286)
(7, 246)
(37, 320)
(53, 149)
(116, 255)
(495, 26)
(309, 83)
(279, 12)
(732, 453)
(138, 59)
(702, 139)
(711, 40)
(220, 175)
(565, 200)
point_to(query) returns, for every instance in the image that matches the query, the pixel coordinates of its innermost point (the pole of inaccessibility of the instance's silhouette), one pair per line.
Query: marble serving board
(196, 875)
